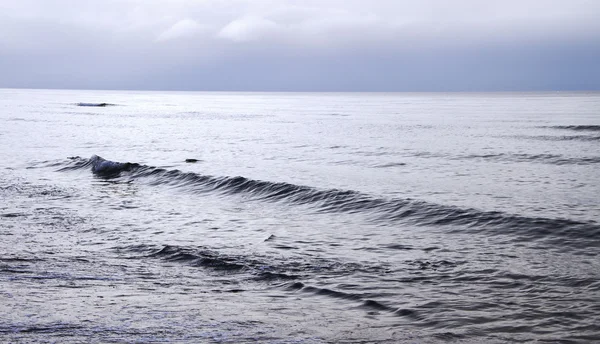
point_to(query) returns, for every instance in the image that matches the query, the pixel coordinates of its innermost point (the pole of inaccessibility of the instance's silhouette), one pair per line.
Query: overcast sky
(302, 45)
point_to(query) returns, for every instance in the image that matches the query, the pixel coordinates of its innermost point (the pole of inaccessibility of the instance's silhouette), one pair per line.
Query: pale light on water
(308, 217)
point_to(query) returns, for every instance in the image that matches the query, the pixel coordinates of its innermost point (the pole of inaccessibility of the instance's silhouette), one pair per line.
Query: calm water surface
(307, 218)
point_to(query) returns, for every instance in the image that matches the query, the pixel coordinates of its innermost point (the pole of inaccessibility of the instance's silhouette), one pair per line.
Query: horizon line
(301, 91)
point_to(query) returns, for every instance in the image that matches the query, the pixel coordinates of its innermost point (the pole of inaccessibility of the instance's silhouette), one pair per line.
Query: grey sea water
(304, 218)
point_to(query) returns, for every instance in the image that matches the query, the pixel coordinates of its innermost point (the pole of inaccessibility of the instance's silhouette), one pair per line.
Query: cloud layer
(385, 45)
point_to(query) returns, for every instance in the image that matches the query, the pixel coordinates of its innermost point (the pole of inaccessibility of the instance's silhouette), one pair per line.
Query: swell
(255, 267)
(588, 138)
(382, 210)
(286, 272)
(576, 127)
(551, 159)
(364, 300)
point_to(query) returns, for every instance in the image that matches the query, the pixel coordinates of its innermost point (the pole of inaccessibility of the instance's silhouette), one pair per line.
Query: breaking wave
(386, 210)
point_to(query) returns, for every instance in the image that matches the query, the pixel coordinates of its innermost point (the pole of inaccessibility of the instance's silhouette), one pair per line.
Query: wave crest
(394, 210)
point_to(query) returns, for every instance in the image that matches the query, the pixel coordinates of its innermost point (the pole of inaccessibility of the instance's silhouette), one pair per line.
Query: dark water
(299, 218)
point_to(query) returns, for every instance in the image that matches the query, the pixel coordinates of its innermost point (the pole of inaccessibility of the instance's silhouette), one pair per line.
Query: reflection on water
(306, 218)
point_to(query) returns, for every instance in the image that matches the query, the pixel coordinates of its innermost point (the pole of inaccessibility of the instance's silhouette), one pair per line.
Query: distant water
(300, 218)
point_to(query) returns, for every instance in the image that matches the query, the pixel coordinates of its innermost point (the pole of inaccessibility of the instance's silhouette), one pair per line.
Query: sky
(301, 45)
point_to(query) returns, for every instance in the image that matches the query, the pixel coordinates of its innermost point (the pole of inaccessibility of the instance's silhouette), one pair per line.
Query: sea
(210, 217)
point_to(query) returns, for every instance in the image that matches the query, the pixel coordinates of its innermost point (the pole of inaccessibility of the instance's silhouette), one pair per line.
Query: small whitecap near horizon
(96, 104)
(337, 114)
(392, 164)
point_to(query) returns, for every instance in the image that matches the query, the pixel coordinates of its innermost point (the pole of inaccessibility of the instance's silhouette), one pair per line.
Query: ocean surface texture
(299, 218)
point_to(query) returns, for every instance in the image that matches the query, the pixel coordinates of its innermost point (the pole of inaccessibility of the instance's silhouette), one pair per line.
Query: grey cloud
(183, 28)
(308, 45)
(248, 28)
